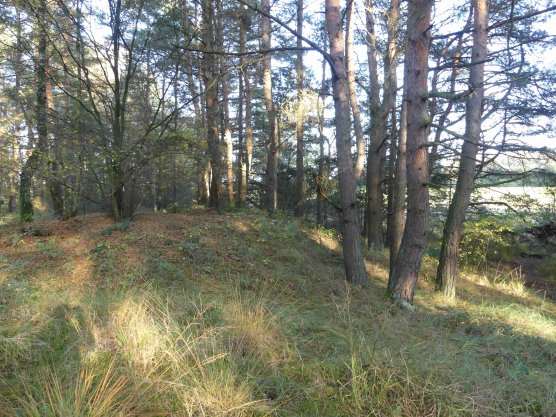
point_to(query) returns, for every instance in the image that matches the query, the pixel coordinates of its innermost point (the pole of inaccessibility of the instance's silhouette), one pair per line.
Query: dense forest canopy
(357, 116)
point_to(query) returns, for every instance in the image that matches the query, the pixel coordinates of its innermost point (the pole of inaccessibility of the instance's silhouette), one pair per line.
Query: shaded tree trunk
(353, 258)
(374, 190)
(211, 105)
(242, 157)
(376, 158)
(408, 261)
(398, 195)
(55, 164)
(446, 275)
(273, 145)
(389, 102)
(202, 160)
(40, 152)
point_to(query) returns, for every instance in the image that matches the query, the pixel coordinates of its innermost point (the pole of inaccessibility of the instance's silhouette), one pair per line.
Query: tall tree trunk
(189, 58)
(353, 259)
(73, 195)
(14, 153)
(398, 195)
(242, 163)
(447, 268)
(211, 105)
(241, 169)
(389, 102)
(354, 103)
(225, 112)
(248, 128)
(38, 155)
(229, 153)
(123, 204)
(321, 218)
(18, 69)
(374, 190)
(392, 156)
(299, 164)
(55, 164)
(408, 262)
(274, 145)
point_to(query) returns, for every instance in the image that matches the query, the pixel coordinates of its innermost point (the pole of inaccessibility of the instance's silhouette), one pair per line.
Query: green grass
(240, 315)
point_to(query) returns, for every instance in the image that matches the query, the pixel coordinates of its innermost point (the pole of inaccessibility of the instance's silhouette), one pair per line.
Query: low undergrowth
(239, 315)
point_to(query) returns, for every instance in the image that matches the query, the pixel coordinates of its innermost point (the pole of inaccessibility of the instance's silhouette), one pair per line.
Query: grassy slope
(197, 314)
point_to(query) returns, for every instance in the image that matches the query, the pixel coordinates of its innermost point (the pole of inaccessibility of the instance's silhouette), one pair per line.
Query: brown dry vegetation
(239, 315)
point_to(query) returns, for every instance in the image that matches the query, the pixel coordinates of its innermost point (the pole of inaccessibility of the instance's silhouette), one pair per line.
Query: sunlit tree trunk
(447, 268)
(408, 261)
(321, 212)
(299, 164)
(241, 168)
(354, 103)
(248, 128)
(353, 259)
(225, 113)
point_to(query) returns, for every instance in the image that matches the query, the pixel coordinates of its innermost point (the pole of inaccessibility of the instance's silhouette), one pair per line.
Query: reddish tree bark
(408, 261)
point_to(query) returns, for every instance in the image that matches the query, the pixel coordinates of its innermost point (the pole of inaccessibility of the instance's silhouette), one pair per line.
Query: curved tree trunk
(408, 262)
(447, 268)
(353, 259)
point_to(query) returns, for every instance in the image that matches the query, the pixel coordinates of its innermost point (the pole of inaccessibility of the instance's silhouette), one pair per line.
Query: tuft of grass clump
(97, 391)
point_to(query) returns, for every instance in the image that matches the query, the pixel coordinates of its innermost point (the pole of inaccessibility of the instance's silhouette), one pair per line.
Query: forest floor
(196, 314)
(535, 278)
